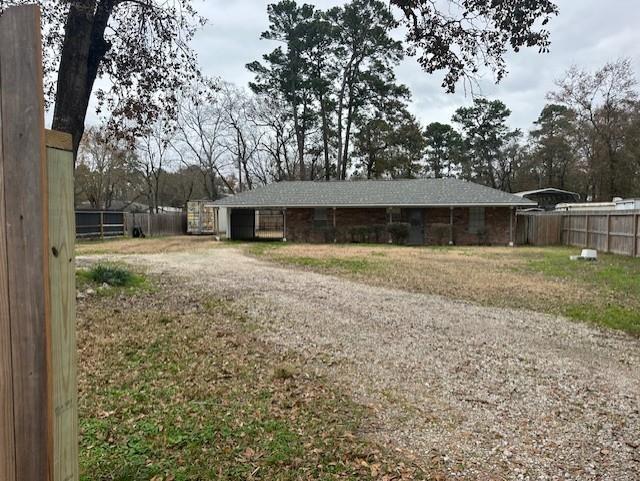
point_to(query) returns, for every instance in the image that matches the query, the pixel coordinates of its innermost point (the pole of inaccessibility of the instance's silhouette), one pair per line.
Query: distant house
(436, 211)
(547, 199)
(617, 204)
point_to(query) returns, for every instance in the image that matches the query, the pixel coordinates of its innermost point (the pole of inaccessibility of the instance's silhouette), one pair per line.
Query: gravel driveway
(478, 393)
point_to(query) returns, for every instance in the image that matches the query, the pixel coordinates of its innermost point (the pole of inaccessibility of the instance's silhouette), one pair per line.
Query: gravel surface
(477, 392)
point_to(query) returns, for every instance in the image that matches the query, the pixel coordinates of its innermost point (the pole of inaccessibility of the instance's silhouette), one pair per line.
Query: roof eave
(376, 206)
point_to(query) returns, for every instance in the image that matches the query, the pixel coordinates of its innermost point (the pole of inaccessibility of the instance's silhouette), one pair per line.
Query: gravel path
(479, 393)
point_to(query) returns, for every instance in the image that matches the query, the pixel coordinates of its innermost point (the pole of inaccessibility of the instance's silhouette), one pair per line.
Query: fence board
(7, 446)
(26, 233)
(164, 223)
(616, 232)
(63, 328)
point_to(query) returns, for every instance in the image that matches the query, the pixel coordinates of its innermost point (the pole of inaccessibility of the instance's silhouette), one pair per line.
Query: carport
(256, 224)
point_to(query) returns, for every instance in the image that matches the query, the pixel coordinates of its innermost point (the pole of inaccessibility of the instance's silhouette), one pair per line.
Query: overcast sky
(586, 33)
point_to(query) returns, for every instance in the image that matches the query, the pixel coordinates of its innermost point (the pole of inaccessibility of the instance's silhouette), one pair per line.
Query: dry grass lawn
(174, 386)
(540, 279)
(153, 245)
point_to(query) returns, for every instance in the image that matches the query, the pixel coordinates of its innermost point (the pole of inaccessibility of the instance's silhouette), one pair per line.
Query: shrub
(330, 234)
(114, 276)
(359, 233)
(378, 232)
(440, 233)
(399, 232)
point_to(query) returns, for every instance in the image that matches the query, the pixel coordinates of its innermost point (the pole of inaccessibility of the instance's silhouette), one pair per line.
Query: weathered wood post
(63, 307)
(38, 408)
(636, 236)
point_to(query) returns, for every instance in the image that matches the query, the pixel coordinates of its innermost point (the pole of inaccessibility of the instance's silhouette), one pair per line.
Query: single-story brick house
(434, 211)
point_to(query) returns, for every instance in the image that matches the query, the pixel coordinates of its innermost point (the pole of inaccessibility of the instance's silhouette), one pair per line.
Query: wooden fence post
(63, 298)
(26, 437)
(586, 231)
(606, 249)
(38, 413)
(634, 251)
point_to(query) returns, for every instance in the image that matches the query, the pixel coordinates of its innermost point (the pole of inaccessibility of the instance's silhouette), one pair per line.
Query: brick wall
(300, 226)
(496, 226)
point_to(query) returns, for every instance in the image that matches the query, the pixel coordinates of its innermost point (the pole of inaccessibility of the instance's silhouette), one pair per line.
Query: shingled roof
(374, 193)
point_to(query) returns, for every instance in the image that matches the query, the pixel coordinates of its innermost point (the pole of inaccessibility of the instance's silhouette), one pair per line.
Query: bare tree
(104, 165)
(243, 136)
(152, 162)
(603, 102)
(278, 141)
(200, 136)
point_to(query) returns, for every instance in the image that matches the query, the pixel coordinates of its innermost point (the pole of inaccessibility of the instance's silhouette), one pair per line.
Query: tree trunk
(346, 137)
(83, 49)
(325, 138)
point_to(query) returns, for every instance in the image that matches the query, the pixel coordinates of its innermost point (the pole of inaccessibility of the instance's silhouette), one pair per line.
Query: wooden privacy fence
(99, 224)
(617, 232)
(539, 229)
(165, 223)
(38, 391)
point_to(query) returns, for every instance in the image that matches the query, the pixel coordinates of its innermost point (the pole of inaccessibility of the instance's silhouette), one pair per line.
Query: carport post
(511, 243)
(284, 225)
(451, 225)
(335, 236)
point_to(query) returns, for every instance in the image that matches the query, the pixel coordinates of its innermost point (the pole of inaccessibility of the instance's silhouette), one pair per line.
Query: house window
(476, 220)
(320, 219)
(395, 214)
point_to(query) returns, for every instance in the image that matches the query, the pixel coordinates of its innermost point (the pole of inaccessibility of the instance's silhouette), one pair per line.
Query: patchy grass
(355, 265)
(112, 275)
(606, 292)
(173, 386)
(613, 280)
(148, 245)
(110, 279)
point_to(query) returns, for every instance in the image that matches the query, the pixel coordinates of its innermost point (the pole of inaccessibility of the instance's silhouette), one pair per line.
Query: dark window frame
(477, 220)
(320, 219)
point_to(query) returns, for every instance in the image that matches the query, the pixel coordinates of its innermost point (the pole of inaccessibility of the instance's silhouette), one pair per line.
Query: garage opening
(253, 224)
(270, 224)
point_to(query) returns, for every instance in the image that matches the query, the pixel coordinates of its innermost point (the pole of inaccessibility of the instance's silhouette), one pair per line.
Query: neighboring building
(547, 199)
(615, 204)
(438, 211)
(204, 217)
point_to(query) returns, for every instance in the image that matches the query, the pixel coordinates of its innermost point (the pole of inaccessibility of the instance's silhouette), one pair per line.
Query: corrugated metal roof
(374, 193)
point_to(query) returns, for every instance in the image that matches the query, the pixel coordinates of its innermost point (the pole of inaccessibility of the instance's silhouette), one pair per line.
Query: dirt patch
(478, 392)
(153, 245)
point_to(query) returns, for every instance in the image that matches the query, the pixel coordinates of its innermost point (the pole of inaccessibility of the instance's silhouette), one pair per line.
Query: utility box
(202, 217)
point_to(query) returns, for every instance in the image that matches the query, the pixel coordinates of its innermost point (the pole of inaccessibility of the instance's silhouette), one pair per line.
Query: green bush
(399, 232)
(114, 276)
(440, 234)
(378, 232)
(359, 233)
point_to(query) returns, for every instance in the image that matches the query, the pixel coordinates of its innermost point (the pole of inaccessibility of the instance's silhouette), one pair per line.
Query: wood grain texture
(58, 140)
(26, 238)
(63, 314)
(7, 444)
